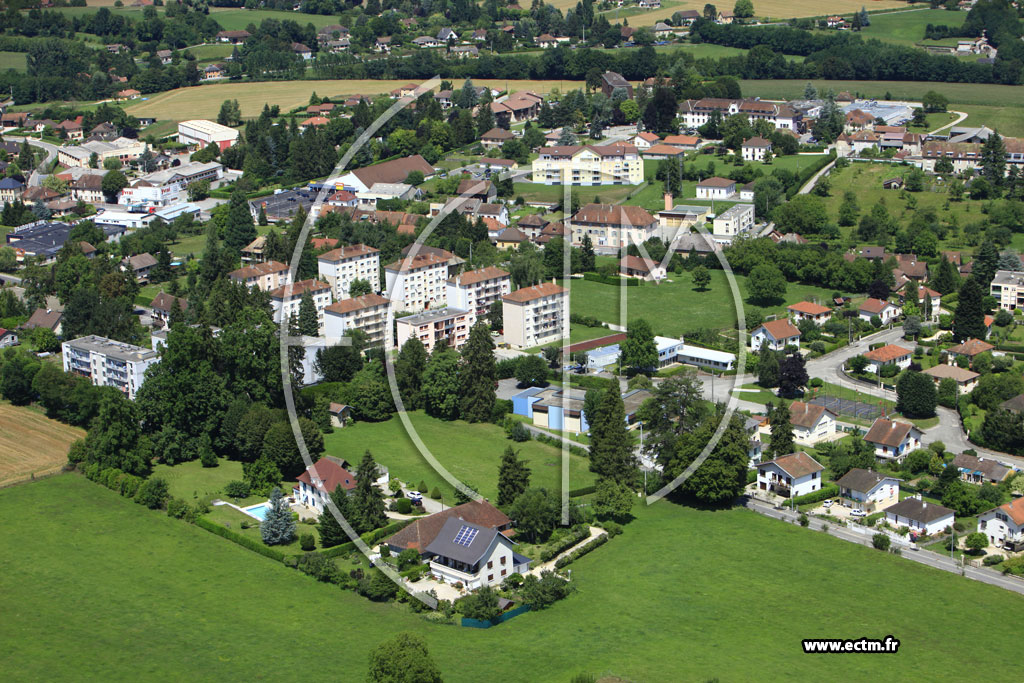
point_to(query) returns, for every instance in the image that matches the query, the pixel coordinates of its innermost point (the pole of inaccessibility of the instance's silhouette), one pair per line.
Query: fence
(478, 623)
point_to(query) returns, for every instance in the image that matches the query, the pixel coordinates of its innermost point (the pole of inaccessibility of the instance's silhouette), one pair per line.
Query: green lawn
(13, 60)
(238, 19)
(1005, 119)
(966, 93)
(539, 192)
(674, 308)
(471, 452)
(907, 28)
(677, 586)
(214, 51)
(191, 481)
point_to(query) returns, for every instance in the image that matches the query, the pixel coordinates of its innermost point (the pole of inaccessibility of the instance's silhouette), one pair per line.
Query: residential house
(421, 532)
(108, 363)
(164, 304)
(448, 325)
(660, 151)
(811, 423)
(611, 81)
(535, 315)
(755, 149)
(920, 516)
(510, 238)
(465, 51)
(965, 379)
(340, 267)
(688, 143)
(265, 276)
(383, 44)
(893, 440)
(11, 190)
(473, 556)
(643, 269)
(516, 108)
(776, 334)
(367, 313)
(716, 188)
(1004, 525)
(233, 37)
(139, 265)
(970, 349)
(887, 312)
(1015, 405)
(975, 470)
(644, 141)
(868, 490)
(806, 310)
(285, 300)
(44, 317)
(790, 476)
(890, 354)
(483, 190)
(128, 94)
(613, 226)
(616, 164)
(320, 481)
(496, 137)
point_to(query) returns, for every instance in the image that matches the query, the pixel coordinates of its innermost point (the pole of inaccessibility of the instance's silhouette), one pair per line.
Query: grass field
(236, 19)
(907, 28)
(13, 60)
(959, 93)
(677, 586)
(775, 9)
(211, 51)
(1006, 119)
(471, 452)
(31, 443)
(192, 481)
(674, 308)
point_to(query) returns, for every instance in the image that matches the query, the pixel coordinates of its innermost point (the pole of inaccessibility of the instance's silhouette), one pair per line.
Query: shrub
(307, 542)
(237, 489)
(241, 540)
(804, 521)
(423, 489)
(816, 382)
(401, 505)
(512, 582)
(825, 492)
(377, 586)
(581, 551)
(177, 508)
(518, 432)
(435, 493)
(152, 493)
(319, 567)
(881, 541)
(613, 528)
(408, 558)
(991, 560)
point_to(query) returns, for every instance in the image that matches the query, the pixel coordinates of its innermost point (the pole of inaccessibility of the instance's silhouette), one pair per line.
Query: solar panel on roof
(465, 536)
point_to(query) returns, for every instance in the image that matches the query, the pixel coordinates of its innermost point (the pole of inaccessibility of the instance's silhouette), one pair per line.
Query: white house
(776, 334)
(755, 149)
(811, 423)
(868, 490)
(893, 440)
(638, 267)
(331, 472)
(890, 354)
(806, 310)
(1004, 525)
(790, 476)
(716, 188)
(473, 555)
(885, 310)
(921, 516)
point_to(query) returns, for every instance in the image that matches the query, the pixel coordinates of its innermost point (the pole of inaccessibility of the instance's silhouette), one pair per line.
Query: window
(490, 577)
(503, 572)
(490, 564)
(503, 558)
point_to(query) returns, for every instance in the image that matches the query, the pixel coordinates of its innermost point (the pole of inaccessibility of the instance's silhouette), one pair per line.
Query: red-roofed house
(890, 354)
(1004, 525)
(776, 334)
(635, 266)
(886, 311)
(806, 310)
(331, 472)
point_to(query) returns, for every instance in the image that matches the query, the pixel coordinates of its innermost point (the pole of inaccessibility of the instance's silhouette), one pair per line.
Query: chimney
(668, 201)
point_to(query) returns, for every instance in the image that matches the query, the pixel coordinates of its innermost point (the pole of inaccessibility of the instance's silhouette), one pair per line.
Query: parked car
(857, 512)
(416, 498)
(828, 504)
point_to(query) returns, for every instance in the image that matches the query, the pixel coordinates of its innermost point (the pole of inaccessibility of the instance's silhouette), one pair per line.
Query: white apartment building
(448, 324)
(368, 313)
(737, 219)
(1008, 289)
(266, 276)
(285, 300)
(108, 363)
(475, 290)
(536, 315)
(695, 113)
(341, 266)
(418, 283)
(617, 164)
(201, 133)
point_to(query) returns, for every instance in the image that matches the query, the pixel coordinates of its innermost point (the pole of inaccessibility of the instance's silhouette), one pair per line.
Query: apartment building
(341, 266)
(589, 165)
(737, 219)
(266, 276)
(417, 283)
(449, 325)
(108, 363)
(285, 300)
(536, 315)
(613, 226)
(475, 290)
(695, 113)
(368, 313)
(1008, 289)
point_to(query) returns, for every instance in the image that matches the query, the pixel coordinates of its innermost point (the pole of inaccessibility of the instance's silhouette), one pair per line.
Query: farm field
(965, 93)
(13, 60)
(774, 9)
(675, 308)
(233, 19)
(907, 28)
(31, 443)
(471, 452)
(1006, 119)
(621, 597)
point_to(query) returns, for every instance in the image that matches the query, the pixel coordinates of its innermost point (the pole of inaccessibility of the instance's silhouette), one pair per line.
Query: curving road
(36, 178)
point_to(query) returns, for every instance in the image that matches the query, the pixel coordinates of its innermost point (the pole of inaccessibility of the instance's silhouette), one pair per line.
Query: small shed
(892, 184)
(340, 414)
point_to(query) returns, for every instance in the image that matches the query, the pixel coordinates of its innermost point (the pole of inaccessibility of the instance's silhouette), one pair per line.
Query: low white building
(921, 516)
(737, 219)
(108, 363)
(473, 555)
(893, 440)
(776, 335)
(790, 476)
(200, 133)
(716, 188)
(811, 423)
(807, 310)
(890, 354)
(868, 490)
(755, 149)
(1004, 525)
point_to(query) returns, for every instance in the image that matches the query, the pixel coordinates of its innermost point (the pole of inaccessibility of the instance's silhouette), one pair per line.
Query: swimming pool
(257, 511)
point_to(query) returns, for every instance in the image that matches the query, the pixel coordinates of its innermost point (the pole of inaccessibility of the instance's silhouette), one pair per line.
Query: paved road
(924, 557)
(960, 117)
(809, 185)
(36, 178)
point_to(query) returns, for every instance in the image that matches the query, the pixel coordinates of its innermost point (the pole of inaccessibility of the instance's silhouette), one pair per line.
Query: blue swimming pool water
(258, 511)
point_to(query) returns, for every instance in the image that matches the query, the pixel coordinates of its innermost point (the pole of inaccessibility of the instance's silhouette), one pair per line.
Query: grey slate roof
(862, 480)
(444, 544)
(918, 510)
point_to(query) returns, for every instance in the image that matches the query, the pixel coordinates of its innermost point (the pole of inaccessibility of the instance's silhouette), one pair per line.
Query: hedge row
(557, 443)
(621, 281)
(580, 552)
(369, 538)
(241, 540)
(825, 492)
(582, 491)
(577, 534)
